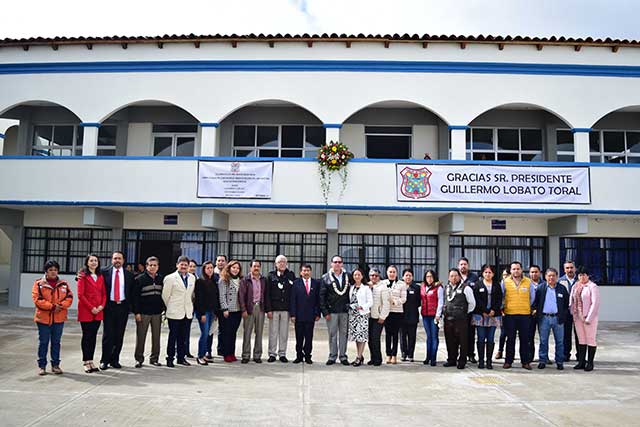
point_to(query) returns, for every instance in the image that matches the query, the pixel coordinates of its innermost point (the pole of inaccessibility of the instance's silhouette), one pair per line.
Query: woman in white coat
(361, 300)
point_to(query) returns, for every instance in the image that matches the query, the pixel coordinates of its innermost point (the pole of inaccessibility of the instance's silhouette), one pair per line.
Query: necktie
(116, 289)
(306, 285)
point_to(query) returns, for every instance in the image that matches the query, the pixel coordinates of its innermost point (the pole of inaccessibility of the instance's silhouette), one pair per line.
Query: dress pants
(177, 332)
(304, 339)
(375, 331)
(532, 337)
(338, 327)
(187, 337)
(155, 321)
(230, 327)
(115, 323)
(254, 321)
(517, 323)
(278, 333)
(408, 332)
(89, 336)
(455, 335)
(392, 329)
(471, 337)
(568, 334)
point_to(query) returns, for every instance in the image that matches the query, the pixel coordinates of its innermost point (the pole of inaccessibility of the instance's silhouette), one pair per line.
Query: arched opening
(519, 132)
(149, 128)
(395, 129)
(271, 128)
(45, 128)
(615, 137)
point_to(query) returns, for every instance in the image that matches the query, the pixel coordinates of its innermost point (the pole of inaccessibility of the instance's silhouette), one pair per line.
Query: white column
(581, 144)
(209, 139)
(332, 132)
(90, 139)
(458, 142)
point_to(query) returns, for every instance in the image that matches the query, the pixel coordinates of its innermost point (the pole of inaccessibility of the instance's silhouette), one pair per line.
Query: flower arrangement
(333, 157)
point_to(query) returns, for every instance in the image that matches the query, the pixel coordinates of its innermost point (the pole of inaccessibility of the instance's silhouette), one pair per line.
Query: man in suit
(304, 312)
(119, 284)
(334, 304)
(251, 299)
(568, 280)
(177, 294)
(469, 278)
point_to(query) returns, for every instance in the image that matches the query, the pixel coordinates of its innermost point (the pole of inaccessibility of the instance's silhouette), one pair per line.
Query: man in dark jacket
(551, 307)
(304, 312)
(251, 300)
(468, 278)
(147, 307)
(334, 304)
(276, 304)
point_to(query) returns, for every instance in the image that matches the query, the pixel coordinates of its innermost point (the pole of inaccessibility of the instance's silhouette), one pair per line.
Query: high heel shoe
(388, 360)
(394, 360)
(201, 361)
(358, 361)
(87, 368)
(94, 368)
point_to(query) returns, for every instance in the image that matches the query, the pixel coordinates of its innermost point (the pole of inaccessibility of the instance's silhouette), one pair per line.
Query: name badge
(560, 296)
(524, 290)
(280, 286)
(459, 291)
(412, 292)
(481, 290)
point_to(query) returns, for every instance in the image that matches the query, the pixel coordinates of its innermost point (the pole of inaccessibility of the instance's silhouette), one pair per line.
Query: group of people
(356, 305)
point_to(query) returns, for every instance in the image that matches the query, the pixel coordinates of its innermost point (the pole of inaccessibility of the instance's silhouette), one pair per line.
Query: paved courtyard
(316, 395)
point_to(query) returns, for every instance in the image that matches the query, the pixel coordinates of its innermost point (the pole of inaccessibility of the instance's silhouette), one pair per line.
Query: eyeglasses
(374, 275)
(336, 262)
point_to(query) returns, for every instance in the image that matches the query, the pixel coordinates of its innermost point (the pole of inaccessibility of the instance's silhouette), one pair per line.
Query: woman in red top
(432, 296)
(92, 298)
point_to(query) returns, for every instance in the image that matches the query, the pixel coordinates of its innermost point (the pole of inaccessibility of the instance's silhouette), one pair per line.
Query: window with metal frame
(565, 145)
(277, 140)
(107, 140)
(418, 252)
(310, 248)
(67, 246)
(174, 140)
(614, 146)
(57, 140)
(508, 144)
(609, 261)
(498, 251)
(388, 142)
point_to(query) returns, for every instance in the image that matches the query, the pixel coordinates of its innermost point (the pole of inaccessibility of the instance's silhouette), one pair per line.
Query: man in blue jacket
(304, 312)
(551, 308)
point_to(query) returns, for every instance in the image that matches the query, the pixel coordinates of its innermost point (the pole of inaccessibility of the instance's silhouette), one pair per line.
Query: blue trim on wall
(332, 125)
(320, 207)
(458, 127)
(1, 135)
(208, 125)
(90, 125)
(581, 130)
(323, 66)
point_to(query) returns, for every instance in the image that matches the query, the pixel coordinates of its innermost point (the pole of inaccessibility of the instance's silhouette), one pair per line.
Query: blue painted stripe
(367, 208)
(208, 125)
(323, 66)
(305, 159)
(458, 127)
(332, 125)
(581, 130)
(1, 135)
(90, 125)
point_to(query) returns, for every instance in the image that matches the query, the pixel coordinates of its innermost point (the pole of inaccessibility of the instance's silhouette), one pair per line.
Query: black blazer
(305, 308)
(128, 284)
(562, 298)
(330, 301)
(411, 308)
(472, 278)
(480, 293)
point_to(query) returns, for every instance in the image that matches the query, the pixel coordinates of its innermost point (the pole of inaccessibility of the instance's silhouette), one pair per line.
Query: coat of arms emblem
(415, 183)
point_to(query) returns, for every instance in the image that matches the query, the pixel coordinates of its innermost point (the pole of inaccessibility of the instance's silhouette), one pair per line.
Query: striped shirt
(229, 294)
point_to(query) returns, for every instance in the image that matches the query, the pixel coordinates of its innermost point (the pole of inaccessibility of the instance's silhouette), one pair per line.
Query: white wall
(424, 140)
(388, 224)
(154, 220)
(516, 226)
(284, 222)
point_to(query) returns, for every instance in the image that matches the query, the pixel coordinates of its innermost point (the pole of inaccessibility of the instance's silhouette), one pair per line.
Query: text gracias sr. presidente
(502, 183)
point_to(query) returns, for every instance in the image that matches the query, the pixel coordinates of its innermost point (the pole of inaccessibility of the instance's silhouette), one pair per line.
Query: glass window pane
(508, 156)
(613, 142)
(633, 142)
(388, 147)
(467, 138)
(106, 152)
(42, 136)
(268, 136)
(245, 153)
(594, 142)
(268, 153)
(107, 136)
(482, 139)
(614, 158)
(175, 128)
(483, 156)
(310, 154)
(388, 130)
(564, 140)
(595, 159)
(185, 146)
(531, 157)
(291, 153)
(508, 139)
(244, 136)
(63, 136)
(314, 136)
(292, 136)
(162, 146)
(530, 139)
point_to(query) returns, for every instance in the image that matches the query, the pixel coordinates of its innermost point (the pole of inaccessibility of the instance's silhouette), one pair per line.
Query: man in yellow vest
(519, 294)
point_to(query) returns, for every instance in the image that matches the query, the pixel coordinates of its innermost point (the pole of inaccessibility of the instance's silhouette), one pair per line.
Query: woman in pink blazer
(584, 305)
(92, 297)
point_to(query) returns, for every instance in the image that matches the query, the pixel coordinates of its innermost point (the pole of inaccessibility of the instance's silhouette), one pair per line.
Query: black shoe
(542, 365)
(284, 359)
(411, 360)
(190, 356)
(433, 363)
(257, 360)
(345, 362)
(472, 359)
(460, 365)
(425, 362)
(377, 363)
(370, 363)
(170, 364)
(526, 366)
(560, 367)
(104, 366)
(404, 357)
(591, 355)
(156, 363)
(448, 364)
(331, 362)
(116, 365)
(271, 359)
(183, 362)
(358, 361)
(297, 360)
(308, 361)
(582, 354)
(138, 365)
(244, 361)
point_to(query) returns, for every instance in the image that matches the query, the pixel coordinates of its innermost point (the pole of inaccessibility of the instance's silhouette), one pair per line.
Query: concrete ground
(312, 395)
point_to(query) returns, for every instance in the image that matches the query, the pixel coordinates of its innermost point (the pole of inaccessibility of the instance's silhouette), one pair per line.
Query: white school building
(532, 147)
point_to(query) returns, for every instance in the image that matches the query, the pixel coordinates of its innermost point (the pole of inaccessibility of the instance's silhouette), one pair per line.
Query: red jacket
(91, 294)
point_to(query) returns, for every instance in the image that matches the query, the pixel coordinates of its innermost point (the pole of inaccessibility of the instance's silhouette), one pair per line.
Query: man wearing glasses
(334, 304)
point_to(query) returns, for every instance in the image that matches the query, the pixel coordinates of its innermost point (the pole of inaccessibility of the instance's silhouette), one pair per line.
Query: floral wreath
(333, 157)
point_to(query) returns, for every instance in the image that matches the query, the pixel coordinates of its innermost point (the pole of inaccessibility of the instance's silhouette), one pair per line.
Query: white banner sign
(492, 184)
(235, 180)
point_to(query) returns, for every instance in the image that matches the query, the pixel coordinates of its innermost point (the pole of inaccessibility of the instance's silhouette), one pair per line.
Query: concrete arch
(258, 102)
(631, 108)
(482, 110)
(417, 104)
(151, 101)
(36, 103)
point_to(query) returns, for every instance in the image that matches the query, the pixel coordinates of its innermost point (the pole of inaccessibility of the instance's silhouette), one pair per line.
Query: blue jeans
(204, 332)
(431, 329)
(486, 334)
(48, 333)
(545, 326)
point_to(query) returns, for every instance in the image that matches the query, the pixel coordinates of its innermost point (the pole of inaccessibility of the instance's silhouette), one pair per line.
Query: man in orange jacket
(52, 298)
